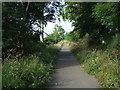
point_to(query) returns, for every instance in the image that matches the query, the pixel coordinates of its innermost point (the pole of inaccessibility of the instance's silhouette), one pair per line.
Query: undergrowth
(103, 63)
(32, 71)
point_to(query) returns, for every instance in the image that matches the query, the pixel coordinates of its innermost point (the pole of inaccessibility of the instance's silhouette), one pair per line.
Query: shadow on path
(68, 73)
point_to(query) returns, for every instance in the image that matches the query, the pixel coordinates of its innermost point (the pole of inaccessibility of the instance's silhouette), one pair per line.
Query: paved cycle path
(69, 74)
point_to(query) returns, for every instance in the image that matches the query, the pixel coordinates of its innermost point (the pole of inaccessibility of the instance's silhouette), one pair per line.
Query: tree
(107, 14)
(80, 15)
(57, 35)
(72, 36)
(99, 20)
(18, 20)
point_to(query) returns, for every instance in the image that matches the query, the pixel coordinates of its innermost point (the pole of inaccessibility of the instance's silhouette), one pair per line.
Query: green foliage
(58, 33)
(31, 71)
(72, 36)
(107, 14)
(80, 15)
(115, 42)
(99, 20)
(18, 19)
(101, 63)
(49, 39)
(32, 47)
(56, 36)
(99, 51)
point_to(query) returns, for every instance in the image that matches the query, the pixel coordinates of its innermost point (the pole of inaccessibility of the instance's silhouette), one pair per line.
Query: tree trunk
(41, 30)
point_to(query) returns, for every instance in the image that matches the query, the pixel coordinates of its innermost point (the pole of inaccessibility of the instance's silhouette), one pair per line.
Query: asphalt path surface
(69, 74)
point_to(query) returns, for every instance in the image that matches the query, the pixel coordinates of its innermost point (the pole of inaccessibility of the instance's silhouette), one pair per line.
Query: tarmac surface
(69, 74)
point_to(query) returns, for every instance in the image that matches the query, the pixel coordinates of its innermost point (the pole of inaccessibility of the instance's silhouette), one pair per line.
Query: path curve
(69, 74)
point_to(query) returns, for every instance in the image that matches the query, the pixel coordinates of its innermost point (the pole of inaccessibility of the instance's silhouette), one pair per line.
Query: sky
(66, 25)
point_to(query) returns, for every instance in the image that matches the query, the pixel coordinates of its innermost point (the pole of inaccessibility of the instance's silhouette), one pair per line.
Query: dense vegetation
(103, 63)
(32, 71)
(96, 39)
(19, 18)
(27, 60)
(56, 36)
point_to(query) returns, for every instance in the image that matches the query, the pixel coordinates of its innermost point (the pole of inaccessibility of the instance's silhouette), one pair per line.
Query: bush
(31, 71)
(32, 47)
(103, 63)
(115, 43)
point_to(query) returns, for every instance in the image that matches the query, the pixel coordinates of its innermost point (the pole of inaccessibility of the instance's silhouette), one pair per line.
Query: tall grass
(31, 71)
(103, 63)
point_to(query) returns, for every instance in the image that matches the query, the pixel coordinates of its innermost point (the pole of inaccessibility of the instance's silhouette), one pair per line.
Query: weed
(32, 71)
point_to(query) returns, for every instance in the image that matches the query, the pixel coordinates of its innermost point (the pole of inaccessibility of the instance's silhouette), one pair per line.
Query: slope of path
(69, 74)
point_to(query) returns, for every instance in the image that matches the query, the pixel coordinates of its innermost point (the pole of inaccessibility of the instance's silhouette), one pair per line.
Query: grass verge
(31, 71)
(101, 63)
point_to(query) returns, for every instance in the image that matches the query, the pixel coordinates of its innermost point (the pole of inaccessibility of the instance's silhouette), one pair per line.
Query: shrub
(103, 63)
(115, 43)
(31, 71)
